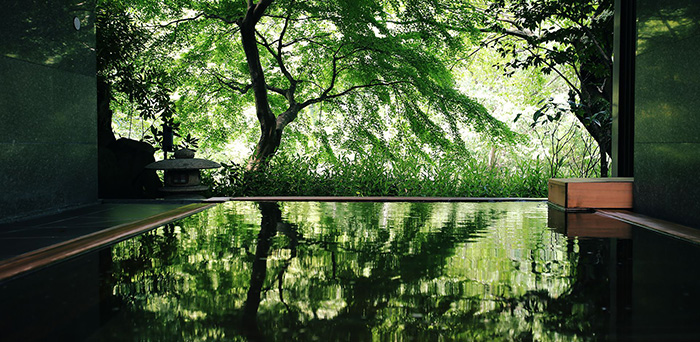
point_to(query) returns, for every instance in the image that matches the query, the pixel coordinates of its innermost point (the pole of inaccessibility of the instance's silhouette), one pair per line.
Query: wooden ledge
(664, 227)
(45, 256)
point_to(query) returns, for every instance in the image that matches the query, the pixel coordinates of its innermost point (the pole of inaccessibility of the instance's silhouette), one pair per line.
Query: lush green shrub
(289, 175)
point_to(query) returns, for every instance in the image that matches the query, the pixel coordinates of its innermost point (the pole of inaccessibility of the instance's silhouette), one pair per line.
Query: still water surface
(303, 271)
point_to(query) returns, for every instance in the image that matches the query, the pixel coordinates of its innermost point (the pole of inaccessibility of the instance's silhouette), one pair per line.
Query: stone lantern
(181, 178)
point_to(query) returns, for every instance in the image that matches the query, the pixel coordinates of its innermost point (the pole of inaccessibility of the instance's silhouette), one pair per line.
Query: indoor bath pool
(315, 271)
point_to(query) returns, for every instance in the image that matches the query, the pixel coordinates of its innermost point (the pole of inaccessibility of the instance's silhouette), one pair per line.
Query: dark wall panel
(48, 138)
(43, 32)
(667, 110)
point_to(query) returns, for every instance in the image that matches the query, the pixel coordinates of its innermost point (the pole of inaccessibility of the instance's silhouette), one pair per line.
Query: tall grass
(288, 175)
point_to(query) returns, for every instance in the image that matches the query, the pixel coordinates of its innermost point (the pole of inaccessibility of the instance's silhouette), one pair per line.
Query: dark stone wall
(667, 110)
(48, 138)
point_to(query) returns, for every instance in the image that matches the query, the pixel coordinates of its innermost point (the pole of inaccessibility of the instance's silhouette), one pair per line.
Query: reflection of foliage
(364, 271)
(569, 313)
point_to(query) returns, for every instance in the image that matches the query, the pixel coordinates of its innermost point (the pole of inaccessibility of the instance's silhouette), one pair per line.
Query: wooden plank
(381, 199)
(593, 180)
(608, 195)
(557, 193)
(664, 227)
(556, 220)
(582, 193)
(86, 243)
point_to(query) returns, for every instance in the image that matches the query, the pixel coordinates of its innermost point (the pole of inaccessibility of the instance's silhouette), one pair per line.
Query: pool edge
(46, 256)
(678, 231)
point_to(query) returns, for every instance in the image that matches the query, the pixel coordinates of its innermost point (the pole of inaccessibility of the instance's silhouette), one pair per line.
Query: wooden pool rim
(46, 256)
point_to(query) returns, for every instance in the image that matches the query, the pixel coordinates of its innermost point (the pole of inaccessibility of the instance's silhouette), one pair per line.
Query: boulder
(122, 173)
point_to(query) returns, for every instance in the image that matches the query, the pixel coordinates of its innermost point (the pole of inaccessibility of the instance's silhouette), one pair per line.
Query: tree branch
(259, 9)
(491, 40)
(181, 20)
(306, 39)
(257, 75)
(278, 58)
(284, 30)
(277, 90)
(288, 116)
(551, 66)
(606, 57)
(215, 16)
(232, 85)
(375, 83)
(523, 34)
(335, 71)
(309, 18)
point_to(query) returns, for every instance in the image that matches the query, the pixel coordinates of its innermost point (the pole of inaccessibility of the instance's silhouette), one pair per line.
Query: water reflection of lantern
(182, 178)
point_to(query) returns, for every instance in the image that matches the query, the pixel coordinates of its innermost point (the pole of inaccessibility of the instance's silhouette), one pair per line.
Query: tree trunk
(270, 135)
(270, 139)
(593, 96)
(602, 137)
(603, 161)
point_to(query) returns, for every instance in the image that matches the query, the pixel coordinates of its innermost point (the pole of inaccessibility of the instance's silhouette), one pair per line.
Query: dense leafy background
(455, 122)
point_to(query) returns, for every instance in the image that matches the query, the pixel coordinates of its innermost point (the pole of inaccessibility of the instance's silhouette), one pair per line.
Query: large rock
(122, 173)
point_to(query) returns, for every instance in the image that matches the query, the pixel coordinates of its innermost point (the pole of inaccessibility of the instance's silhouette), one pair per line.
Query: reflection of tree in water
(271, 223)
(360, 276)
(371, 276)
(575, 313)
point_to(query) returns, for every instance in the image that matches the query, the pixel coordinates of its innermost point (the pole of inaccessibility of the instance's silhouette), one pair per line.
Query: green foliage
(570, 38)
(556, 33)
(372, 176)
(379, 86)
(354, 56)
(127, 63)
(133, 73)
